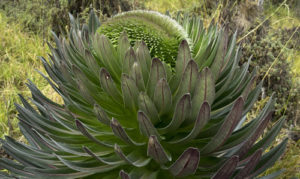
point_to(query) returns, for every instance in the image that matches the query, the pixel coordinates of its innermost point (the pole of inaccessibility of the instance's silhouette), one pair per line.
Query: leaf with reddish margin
(119, 131)
(156, 151)
(187, 163)
(252, 161)
(227, 127)
(124, 175)
(227, 169)
(146, 126)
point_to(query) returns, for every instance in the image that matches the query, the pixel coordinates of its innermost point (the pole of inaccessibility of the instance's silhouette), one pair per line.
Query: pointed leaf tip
(124, 175)
(187, 163)
(146, 126)
(226, 171)
(156, 151)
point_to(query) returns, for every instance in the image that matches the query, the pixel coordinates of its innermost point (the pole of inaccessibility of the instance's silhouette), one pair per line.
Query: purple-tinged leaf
(226, 171)
(204, 91)
(269, 137)
(202, 119)
(124, 175)
(130, 92)
(146, 126)
(157, 72)
(92, 167)
(163, 96)
(144, 58)
(189, 79)
(123, 46)
(187, 163)
(251, 140)
(183, 58)
(120, 132)
(14, 167)
(250, 84)
(108, 161)
(94, 23)
(136, 74)
(181, 113)
(108, 85)
(101, 115)
(133, 159)
(156, 151)
(219, 60)
(83, 130)
(148, 107)
(91, 62)
(108, 55)
(227, 127)
(128, 61)
(252, 161)
(268, 159)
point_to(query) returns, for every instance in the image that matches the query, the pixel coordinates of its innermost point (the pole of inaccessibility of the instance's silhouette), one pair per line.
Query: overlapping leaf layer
(128, 115)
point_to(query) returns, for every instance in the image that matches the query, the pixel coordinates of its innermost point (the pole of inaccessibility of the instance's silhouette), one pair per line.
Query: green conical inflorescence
(161, 33)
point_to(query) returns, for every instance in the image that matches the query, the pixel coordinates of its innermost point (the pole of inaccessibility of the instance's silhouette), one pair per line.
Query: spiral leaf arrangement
(129, 115)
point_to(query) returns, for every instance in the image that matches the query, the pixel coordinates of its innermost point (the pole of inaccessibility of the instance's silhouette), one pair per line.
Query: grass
(18, 60)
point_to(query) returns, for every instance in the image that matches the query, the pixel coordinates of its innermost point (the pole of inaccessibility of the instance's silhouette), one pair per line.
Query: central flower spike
(161, 33)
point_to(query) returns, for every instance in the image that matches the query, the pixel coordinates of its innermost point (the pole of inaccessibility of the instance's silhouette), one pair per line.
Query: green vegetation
(161, 33)
(20, 48)
(18, 60)
(129, 124)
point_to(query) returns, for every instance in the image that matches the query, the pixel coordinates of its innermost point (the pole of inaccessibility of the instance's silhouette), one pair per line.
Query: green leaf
(268, 159)
(202, 119)
(204, 91)
(133, 159)
(148, 107)
(83, 130)
(163, 97)
(157, 72)
(15, 167)
(242, 134)
(123, 47)
(101, 115)
(124, 175)
(144, 59)
(94, 22)
(121, 133)
(130, 92)
(189, 80)
(136, 74)
(128, 61)
(156, 151)
(108, 85)
(108, 55)
(219, 60)
(227, 169)
(181, 113)
(251, 140)
(87, 166)
(227, 127)
(113, 160)
(187, 163)
(246, 171)
(269, 137)
(146, 126)
(183, 58)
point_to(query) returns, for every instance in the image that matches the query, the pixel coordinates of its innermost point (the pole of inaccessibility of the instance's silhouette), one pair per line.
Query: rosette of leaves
(128, 115)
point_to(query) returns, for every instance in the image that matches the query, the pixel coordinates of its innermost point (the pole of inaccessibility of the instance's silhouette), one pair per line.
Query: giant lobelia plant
(126, 114)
